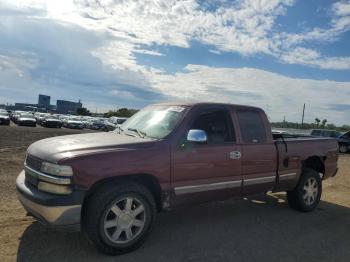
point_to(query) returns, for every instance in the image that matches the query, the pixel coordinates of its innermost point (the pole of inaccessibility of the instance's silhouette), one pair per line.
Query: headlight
(56, 170)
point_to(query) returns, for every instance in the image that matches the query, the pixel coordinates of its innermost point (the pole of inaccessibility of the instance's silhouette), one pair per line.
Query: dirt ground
(263, 229)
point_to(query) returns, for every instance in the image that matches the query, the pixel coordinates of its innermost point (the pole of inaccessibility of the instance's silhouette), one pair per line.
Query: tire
(343, 148)
(107, 212)
(307, 194)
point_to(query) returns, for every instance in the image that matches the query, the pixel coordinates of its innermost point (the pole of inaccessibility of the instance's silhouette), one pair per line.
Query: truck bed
(294, 150)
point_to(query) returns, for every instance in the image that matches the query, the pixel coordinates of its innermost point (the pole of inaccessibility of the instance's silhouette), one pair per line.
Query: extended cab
(113, 184)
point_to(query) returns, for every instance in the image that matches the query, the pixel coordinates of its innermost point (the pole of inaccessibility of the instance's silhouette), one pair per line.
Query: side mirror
(197, 135)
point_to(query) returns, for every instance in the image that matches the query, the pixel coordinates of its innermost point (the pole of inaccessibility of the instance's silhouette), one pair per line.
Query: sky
(275, 54)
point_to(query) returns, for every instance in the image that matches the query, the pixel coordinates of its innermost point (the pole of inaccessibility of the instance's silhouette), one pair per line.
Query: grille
(31, 180)
(33, 162)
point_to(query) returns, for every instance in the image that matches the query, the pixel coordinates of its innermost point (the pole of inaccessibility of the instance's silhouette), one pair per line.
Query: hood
(56, 148)
(4, 117)
(52, 120)
(27, 119)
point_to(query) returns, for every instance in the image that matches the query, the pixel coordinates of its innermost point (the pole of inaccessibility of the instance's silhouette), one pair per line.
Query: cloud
(343, 108)
(87, 49)
(245, 27)
(278, 95)
(306, 56)
(42, 55)
(342, 8)
(292, 52)
(148, 52)
(215, 51)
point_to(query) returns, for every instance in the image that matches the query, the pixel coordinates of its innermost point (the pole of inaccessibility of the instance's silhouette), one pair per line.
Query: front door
(212, 170)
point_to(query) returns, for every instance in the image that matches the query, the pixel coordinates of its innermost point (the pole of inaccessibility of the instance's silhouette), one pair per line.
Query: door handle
(235, 155)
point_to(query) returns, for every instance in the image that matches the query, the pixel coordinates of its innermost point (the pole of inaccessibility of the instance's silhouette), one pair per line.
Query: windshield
(74, 119)
(27, 116)
(3, 114)
(120, 121)
(155, 122)
(52, 117)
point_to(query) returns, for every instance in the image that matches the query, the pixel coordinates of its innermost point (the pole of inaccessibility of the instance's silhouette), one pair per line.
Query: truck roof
(192, 103)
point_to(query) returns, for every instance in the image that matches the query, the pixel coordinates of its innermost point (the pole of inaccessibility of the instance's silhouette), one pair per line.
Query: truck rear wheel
(118, 218)
(307, 194)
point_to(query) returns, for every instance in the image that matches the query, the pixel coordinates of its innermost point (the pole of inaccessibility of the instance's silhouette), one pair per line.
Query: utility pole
(284, 121)
(302, 119)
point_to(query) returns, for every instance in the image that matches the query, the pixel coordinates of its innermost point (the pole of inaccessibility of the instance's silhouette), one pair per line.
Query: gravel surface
(263, 229)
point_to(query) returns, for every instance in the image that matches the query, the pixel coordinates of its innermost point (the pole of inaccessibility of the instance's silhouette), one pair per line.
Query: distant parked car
(4, 118)
(343, 140)
(97, 124)
(73, 122)
(86, 121)
(26, 119)
(325, 133)
(113, 122)
(278, 132)
(51, 121)
(40, 117)
(15, 115)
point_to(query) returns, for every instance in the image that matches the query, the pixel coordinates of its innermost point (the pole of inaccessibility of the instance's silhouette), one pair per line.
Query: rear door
(259, 158)
(212, 170)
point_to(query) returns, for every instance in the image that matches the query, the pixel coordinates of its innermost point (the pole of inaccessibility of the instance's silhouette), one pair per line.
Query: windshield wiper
(140, 133)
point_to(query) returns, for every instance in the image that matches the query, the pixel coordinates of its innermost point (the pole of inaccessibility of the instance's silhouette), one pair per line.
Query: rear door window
(252, 126)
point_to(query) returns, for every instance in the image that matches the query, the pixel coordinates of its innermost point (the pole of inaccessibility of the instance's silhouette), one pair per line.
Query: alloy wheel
(310, 191)
(124, 220)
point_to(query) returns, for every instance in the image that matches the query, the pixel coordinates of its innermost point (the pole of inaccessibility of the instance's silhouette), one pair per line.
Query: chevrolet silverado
(112, 184)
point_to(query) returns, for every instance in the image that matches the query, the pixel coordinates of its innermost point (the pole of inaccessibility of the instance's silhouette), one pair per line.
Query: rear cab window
(252, 126)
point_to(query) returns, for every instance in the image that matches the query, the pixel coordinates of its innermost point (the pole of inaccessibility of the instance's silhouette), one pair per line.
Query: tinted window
(218, 126)
(326, 133)
(316, 133)
(120, 121)
(335, 134)
(346, 135)
(252, 126)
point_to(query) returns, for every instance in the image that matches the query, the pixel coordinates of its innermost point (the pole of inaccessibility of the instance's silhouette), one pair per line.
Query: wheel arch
(315, 162)
(147, 180)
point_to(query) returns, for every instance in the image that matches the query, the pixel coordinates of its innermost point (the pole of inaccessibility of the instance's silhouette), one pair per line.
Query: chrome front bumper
(53, 215)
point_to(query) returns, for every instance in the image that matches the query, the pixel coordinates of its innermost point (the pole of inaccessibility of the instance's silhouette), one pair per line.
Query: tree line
(318, 124)
(121, 112)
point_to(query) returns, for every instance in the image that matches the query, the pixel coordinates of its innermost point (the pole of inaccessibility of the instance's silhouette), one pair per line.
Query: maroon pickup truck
(113, 184)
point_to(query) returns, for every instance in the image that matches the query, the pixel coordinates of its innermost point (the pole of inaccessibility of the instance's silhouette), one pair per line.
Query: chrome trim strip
(258, 180)
(47, 178)
(287, 176)
(207, 187)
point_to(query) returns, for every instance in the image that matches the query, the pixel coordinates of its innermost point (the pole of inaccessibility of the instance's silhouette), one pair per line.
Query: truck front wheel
(118, 218)
(307, 194)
